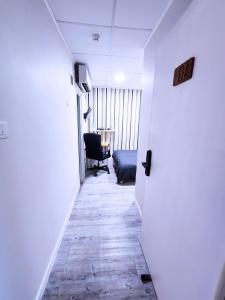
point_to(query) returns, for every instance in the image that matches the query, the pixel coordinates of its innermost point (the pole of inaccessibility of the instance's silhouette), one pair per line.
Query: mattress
(125, 164)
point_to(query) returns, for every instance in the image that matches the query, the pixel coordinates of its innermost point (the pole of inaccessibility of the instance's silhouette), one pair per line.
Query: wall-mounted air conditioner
(83, 78)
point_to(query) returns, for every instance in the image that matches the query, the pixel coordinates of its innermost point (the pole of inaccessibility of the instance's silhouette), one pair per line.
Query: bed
(125, 165)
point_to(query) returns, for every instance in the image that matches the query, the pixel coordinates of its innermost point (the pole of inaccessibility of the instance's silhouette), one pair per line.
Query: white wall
(39, 160)
(183, 216)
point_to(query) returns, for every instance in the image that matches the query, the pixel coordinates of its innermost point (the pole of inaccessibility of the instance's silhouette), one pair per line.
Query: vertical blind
(118, 110)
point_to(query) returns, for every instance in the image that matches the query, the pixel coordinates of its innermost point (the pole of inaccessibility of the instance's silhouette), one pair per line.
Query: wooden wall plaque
(184, 72)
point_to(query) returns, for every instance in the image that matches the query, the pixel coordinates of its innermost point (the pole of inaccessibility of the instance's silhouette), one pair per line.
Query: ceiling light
(119, 77)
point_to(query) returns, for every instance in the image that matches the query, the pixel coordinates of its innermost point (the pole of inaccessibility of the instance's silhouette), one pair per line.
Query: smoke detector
(96, 37)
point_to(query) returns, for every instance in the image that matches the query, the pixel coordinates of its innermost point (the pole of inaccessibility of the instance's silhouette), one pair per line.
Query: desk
(105, 144)
(105, 135)
(103, 131)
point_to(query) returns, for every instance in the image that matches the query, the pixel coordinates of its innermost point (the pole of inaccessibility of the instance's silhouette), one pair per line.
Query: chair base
(98, 168)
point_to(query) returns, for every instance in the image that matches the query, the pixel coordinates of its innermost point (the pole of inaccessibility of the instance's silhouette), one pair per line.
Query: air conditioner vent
(86, 87)
(83, 78)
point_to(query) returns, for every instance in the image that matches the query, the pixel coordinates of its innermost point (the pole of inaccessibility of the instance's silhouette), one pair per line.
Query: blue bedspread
(125, 164)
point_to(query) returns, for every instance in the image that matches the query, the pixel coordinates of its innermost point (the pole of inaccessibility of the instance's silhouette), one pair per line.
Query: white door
(183, 215)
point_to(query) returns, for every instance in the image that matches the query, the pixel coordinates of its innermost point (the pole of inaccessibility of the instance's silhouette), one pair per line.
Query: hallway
(100, 256)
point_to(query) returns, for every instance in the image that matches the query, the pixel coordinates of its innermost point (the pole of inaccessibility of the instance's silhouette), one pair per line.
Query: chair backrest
(93, 145)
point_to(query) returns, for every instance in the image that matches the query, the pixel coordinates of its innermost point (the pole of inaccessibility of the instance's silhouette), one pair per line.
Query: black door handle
(147, 164)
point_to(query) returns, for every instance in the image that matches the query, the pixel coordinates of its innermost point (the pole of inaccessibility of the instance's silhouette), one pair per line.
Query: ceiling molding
(113, 13)
(58, 28)
(169, 17)
(104, 26)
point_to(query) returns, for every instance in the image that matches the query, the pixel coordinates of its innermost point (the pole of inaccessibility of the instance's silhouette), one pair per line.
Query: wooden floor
(100, 256)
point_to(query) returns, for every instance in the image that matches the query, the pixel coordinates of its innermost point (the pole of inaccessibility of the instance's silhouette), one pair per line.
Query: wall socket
(3, 130)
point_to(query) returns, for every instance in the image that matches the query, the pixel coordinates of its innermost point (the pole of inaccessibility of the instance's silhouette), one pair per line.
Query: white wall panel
(79, 38)
(39, 174)
(83, 11)
(139, 13)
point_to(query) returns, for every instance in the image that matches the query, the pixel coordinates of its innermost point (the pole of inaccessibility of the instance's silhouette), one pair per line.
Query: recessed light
(119, 77)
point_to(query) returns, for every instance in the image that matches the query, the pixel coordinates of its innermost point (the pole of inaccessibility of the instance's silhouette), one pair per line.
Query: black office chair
(94, 150)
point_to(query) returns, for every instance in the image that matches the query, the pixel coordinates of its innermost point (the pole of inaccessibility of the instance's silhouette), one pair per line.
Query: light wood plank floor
(100, 256)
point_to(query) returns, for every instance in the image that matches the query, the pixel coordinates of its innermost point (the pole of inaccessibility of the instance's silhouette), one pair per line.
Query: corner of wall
(57, 27)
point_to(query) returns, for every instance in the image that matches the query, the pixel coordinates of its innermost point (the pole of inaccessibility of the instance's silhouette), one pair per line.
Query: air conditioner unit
(83, 78)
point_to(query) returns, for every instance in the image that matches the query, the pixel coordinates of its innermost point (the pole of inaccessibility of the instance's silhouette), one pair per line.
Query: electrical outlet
(3, 130)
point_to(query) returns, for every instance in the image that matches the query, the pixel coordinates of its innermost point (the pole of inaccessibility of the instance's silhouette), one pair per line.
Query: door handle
(148, 162)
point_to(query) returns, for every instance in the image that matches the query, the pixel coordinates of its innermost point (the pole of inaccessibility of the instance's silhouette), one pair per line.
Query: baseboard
(138, 207)
(55, 250)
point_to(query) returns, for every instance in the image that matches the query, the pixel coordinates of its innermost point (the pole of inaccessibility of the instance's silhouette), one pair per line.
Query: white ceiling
(124, 27)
